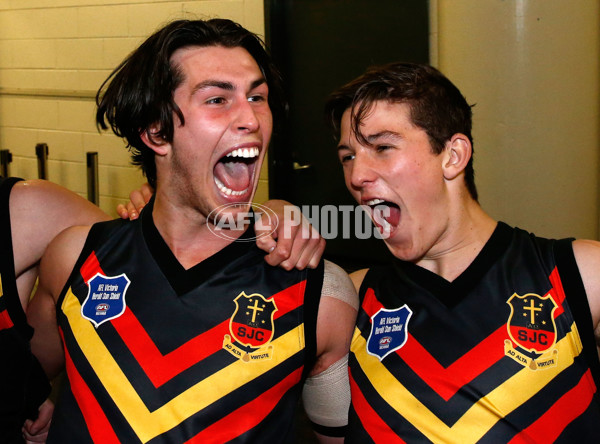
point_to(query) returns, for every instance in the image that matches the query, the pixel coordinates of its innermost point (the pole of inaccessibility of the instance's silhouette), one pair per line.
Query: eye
(381, 148)
(216, 101)
(257, 98)
(346, 156)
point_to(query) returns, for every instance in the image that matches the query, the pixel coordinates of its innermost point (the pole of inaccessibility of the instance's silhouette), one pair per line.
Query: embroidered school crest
(251, 326)
(105, 299)
(388, 331)
(531, 327)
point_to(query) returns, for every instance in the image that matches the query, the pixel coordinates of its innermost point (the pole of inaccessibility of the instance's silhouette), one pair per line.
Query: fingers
(37, 431)
(137, 200)
(300, 247)
(122, 211)
(264, 228)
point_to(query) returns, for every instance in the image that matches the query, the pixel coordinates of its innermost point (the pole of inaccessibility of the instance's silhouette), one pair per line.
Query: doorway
(319, 45)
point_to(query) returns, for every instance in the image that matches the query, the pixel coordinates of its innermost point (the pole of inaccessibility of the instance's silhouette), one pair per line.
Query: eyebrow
(382, 134)
(227, 86)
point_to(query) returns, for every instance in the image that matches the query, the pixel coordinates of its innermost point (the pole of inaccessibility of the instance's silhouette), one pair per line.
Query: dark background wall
(319, 45)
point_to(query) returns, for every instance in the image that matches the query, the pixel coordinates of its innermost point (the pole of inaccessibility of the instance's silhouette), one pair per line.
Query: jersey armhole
(312, 298)
(83, 256)
(10, 291)
(577, 298)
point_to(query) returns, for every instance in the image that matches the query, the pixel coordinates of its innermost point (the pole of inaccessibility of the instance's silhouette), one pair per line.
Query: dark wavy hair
(436, 104)
(139, 92)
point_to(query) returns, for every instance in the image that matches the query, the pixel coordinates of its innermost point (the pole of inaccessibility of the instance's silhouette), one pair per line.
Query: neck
(186, 232)
(463, 241)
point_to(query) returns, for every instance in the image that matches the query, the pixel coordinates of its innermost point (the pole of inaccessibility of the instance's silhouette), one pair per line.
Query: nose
(361, 172)
(246, 119)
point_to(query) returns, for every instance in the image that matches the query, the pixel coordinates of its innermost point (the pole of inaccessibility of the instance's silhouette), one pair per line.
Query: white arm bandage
(337, 284)
(326, 396)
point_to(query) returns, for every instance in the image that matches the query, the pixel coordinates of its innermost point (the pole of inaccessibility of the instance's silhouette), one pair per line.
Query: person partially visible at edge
(478, 332)
(168, 332)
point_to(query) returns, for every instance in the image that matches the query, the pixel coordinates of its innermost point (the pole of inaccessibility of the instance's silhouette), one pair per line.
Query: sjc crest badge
(531, 327)
(388, 331)
(251, 327)
(105, 299)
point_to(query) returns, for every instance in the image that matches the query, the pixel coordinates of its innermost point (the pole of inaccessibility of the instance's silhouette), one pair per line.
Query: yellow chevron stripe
(478, 419)
(1, 292)
(147, 424)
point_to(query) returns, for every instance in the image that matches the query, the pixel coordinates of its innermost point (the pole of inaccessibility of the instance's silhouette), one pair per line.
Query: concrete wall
(532, 67)
(54, 54)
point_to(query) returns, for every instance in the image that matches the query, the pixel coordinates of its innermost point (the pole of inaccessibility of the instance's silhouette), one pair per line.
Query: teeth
(228, 191)
(247, 153)
(374, 202)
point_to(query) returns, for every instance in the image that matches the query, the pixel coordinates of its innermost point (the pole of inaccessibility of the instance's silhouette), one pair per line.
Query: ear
(457, 154)
(150, 136)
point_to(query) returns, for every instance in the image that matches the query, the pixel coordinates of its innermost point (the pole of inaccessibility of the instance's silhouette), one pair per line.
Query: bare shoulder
(41, 197)
(587, 255)
(336, 318)
(60, 257)
(357, 277)
(39, 211)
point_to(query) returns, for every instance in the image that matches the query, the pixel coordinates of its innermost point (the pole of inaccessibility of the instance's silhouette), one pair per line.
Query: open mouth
(385, 214)
(234, 172)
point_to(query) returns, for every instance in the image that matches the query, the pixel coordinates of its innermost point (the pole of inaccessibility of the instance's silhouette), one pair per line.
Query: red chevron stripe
(376, 427)
(559, 293)
(90, 267)
(446, 381)
(159, 367)
(5, 320)
(551, 424)
(248, 416)
(96, 421)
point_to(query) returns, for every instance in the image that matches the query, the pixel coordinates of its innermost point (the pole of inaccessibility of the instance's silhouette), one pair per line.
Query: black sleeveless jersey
(504, 353)
(23, 385)
(156, 353)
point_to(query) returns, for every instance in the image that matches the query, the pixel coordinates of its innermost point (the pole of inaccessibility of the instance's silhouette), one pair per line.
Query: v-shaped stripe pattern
(126, 382)
(492, 391)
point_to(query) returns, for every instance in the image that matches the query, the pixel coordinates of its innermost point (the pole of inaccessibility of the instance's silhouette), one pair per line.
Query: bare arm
(56, 266)
(587, 255)
(326, 393)
(40, 210)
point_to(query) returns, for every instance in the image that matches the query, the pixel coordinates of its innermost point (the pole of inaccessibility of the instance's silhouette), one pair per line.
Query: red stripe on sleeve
(96, 421)
(247, 416)
(376, 427)
(551, 424)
